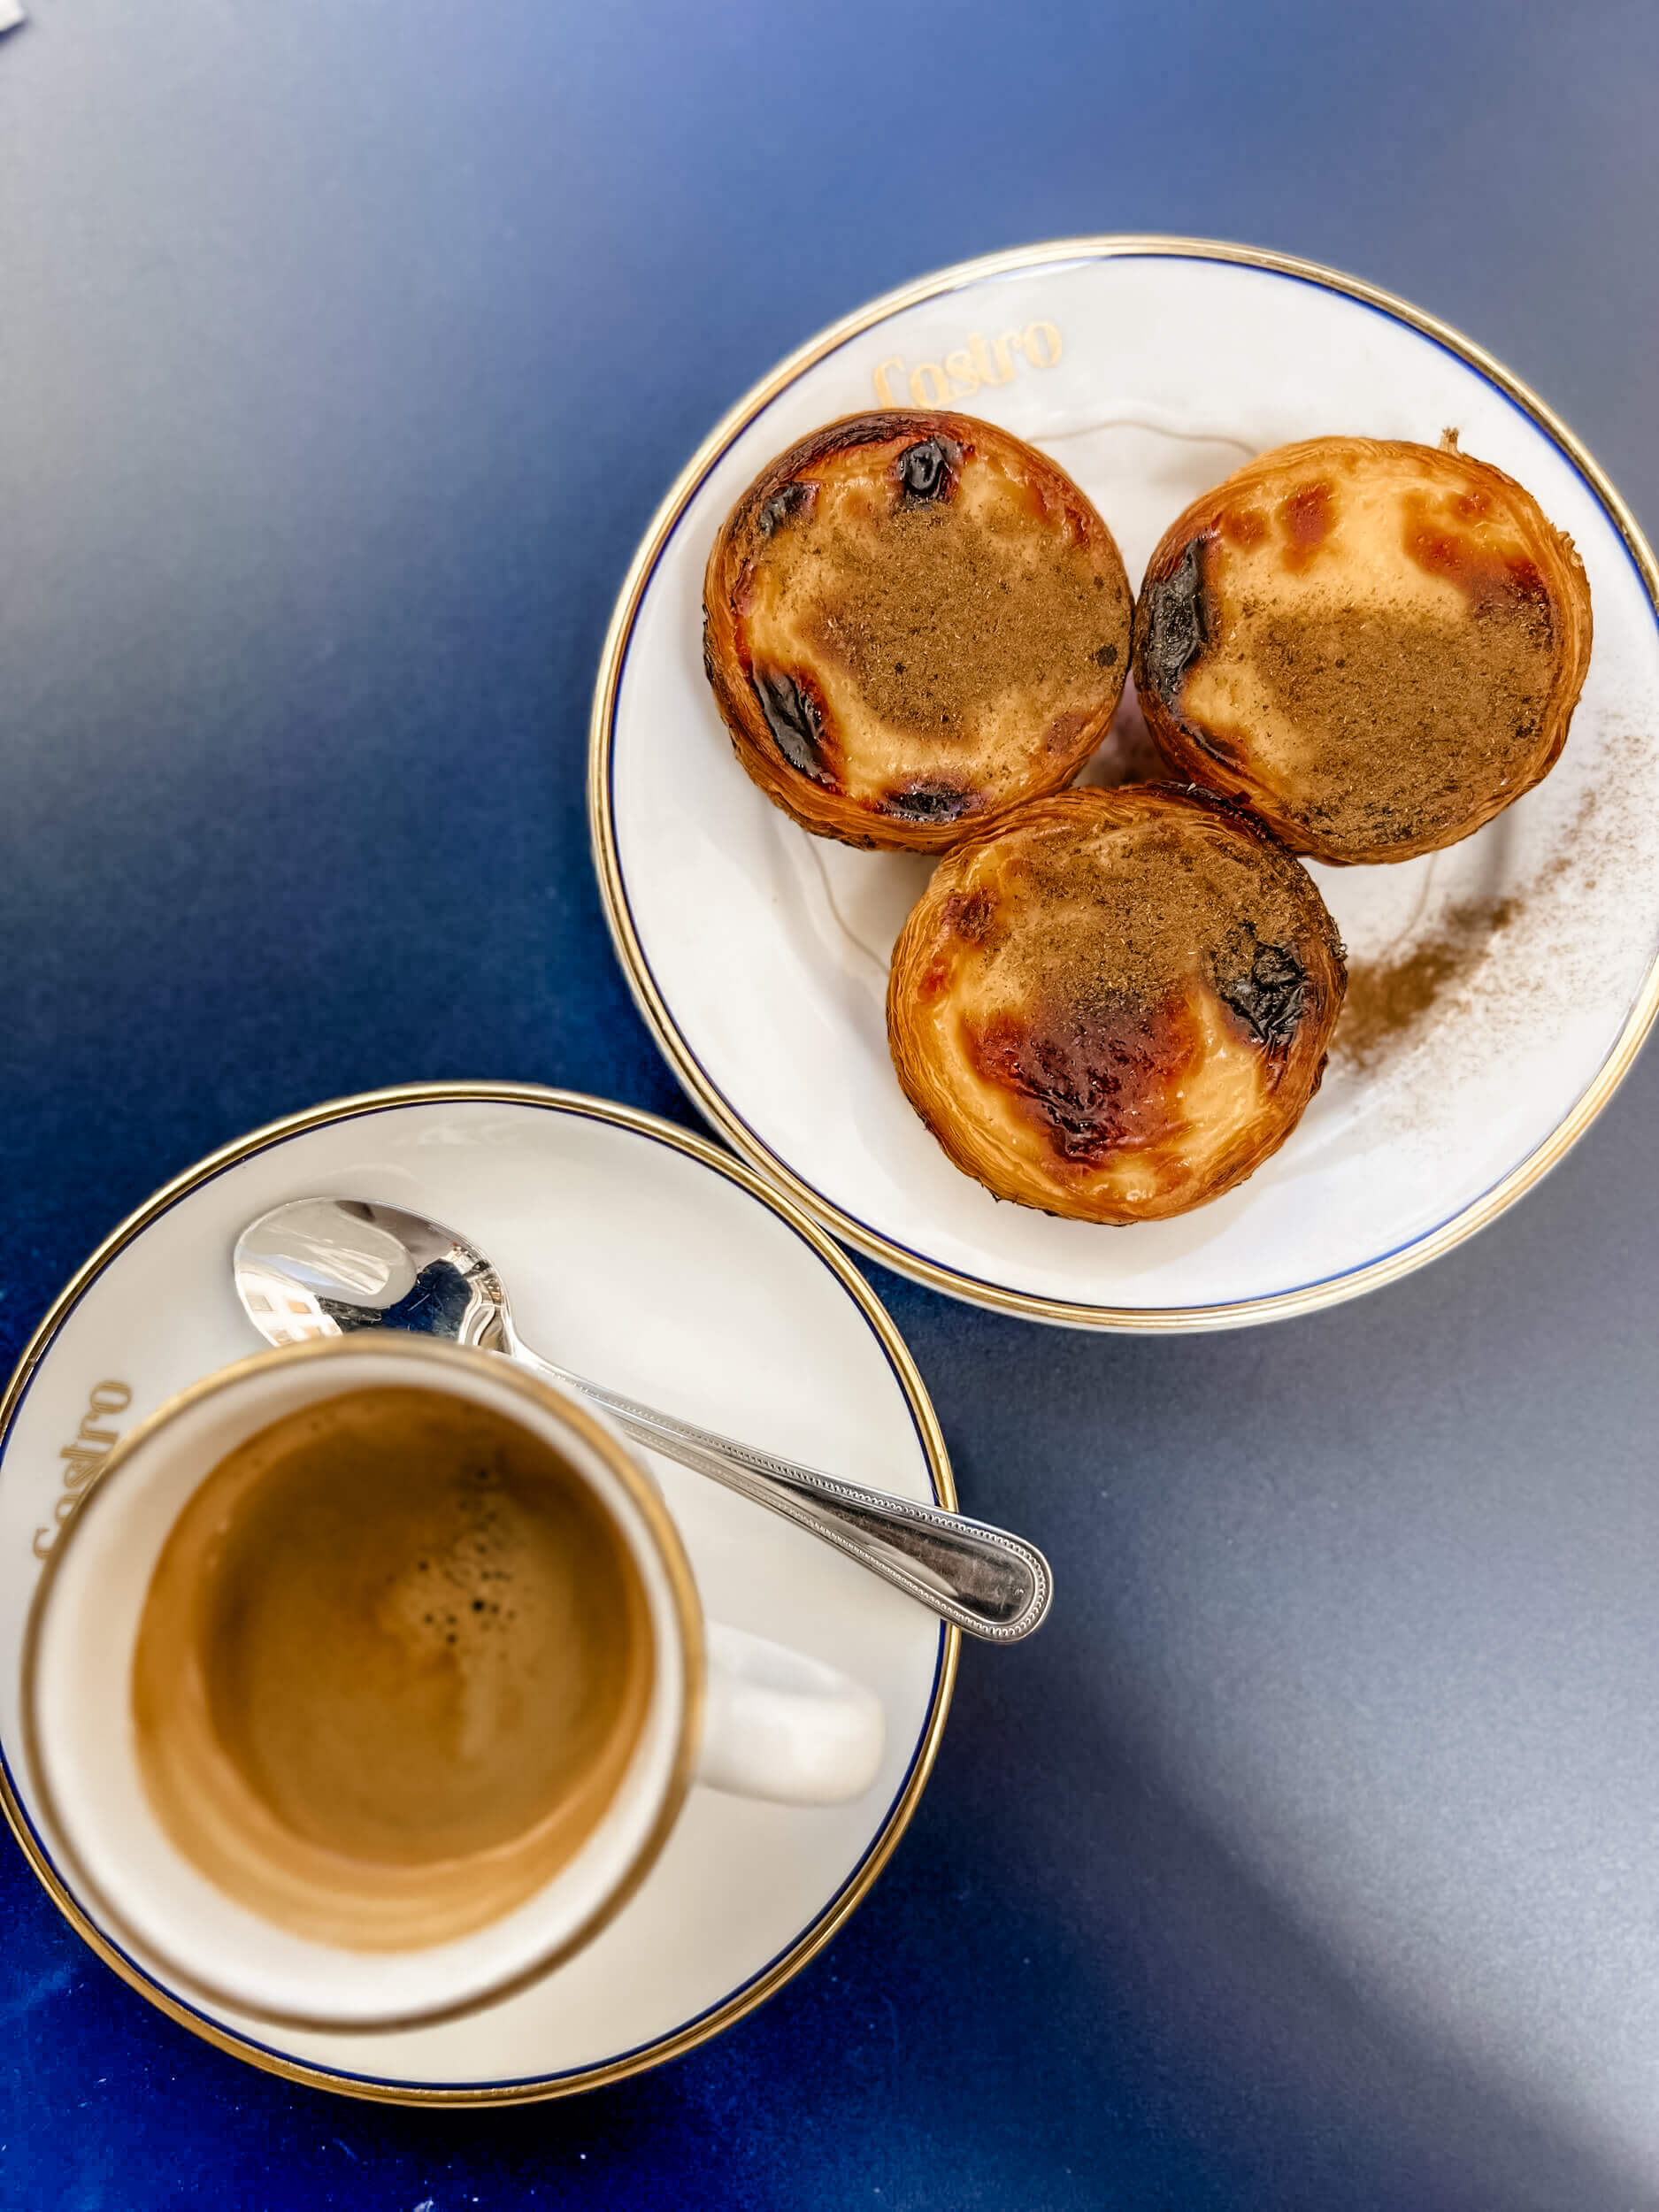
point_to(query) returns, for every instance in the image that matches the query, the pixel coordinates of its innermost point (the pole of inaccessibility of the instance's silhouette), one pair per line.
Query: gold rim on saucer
(677, 1052)
(789, 1962)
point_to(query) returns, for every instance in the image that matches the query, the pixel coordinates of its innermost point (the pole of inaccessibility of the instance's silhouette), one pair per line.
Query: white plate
(1149, 368)
(637, 1255)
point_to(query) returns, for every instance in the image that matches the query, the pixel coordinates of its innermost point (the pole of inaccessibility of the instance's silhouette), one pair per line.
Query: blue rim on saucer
(755, 1986)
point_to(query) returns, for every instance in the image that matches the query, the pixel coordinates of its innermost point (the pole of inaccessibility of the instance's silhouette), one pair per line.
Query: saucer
(1499, 990)
(641, 1257)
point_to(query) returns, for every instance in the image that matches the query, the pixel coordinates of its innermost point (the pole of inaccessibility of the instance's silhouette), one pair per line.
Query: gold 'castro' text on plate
(962, 371)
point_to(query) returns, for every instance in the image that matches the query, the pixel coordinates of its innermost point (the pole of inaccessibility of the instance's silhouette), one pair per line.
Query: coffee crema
(394, 1663)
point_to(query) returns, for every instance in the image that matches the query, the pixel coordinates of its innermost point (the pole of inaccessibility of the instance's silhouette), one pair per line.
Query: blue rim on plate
(722, 1113)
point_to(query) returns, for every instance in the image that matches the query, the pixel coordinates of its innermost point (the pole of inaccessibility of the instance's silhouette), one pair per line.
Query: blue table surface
(1306, 1859)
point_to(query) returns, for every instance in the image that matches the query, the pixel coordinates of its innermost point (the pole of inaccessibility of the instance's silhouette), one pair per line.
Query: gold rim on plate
(789, 1962)
(1277, 1305)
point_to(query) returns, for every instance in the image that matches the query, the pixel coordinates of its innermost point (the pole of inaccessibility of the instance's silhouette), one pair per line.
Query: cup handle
(780, 1725)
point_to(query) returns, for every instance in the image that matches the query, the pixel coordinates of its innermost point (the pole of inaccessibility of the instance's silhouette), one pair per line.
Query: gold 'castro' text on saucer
(84, 1456)
(963, 370)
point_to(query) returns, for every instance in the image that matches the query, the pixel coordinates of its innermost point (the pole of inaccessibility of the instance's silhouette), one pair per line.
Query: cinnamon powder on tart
(1116, 1006)
(1377, 645)
(913, 622)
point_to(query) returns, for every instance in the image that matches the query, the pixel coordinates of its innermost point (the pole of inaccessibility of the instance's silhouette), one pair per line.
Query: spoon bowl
(325, 1266)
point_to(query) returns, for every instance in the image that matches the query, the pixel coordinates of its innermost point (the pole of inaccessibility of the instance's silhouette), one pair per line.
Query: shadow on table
(1080, 2001)
(1138, 2023)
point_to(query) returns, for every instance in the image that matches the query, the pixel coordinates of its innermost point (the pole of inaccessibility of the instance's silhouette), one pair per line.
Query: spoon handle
(989, 1583)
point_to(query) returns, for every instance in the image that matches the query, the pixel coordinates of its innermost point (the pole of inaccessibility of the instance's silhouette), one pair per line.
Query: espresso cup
(368, 1681)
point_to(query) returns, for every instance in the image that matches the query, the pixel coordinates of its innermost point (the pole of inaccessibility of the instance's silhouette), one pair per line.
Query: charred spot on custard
(1492, 583)
(1270, 999)
(788, 503)
(795, 717)
(1307, 516)
(1178, 623)
(1243, 526)
(1097, 1083)
(929, 803)
(970, 914)
(928, 471)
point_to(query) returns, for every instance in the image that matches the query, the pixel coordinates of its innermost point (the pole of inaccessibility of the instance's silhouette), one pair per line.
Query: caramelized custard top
(914, 622)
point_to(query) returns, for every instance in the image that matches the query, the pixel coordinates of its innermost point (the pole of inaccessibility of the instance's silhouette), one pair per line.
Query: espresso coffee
(393, 1665)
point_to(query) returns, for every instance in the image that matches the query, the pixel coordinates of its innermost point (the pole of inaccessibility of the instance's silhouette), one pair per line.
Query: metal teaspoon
(322, 1266)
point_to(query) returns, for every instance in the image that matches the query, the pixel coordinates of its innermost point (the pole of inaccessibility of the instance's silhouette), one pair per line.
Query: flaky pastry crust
(1117, 1004)
(1377, 646)
(913, 622)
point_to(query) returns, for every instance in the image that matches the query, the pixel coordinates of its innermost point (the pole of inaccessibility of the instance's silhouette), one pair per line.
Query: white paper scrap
(12, 13)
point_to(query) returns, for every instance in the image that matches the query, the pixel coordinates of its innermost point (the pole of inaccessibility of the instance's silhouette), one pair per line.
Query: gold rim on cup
(641, 1493)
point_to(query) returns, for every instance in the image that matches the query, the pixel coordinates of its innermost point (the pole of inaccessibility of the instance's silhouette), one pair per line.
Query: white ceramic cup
(728, 1708)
